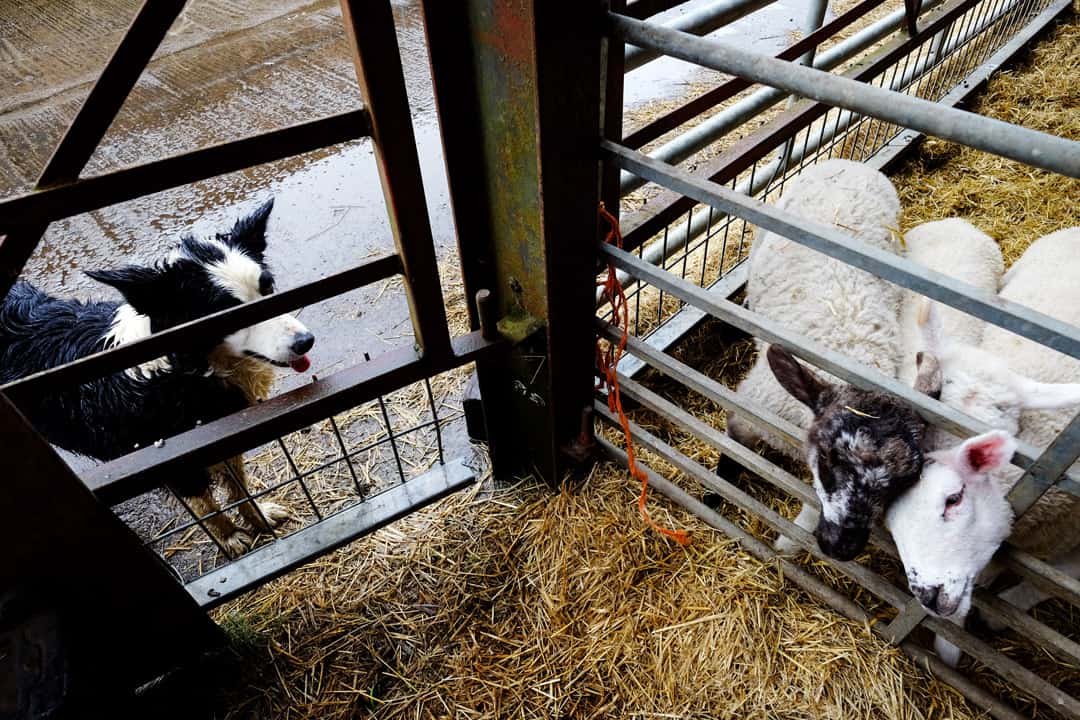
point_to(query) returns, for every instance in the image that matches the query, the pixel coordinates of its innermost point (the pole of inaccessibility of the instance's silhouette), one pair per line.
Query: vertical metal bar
(200, 521)
(299, 478)
(1047, 468)
(370, 27)
(390, 435)
(242, 487)
(346, 457)
(435, 417)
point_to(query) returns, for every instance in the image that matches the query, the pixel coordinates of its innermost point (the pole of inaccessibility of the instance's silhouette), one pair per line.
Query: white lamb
(949, 525)
(849, 311)
(962, 251)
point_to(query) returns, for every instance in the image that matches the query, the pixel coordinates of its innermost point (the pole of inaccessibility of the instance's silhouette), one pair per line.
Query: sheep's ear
(928, 380)
(984, 453)
(1047, 396)
(930, 327)
(803, 385)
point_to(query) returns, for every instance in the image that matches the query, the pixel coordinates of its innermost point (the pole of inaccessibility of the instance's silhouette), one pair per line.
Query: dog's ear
(249, 233)
(147, 289)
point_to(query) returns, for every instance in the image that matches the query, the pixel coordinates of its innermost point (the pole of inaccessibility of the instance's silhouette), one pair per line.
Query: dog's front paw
(237, 543)
(275, 514)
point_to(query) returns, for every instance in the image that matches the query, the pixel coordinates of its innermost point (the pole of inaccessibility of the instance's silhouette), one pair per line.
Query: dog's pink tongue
(301, 364)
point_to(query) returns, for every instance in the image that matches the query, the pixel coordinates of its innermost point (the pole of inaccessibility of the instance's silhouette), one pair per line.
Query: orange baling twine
(608, 362)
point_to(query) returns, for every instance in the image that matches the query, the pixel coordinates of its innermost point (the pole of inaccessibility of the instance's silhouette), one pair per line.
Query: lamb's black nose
(927, 595)
(302, 342)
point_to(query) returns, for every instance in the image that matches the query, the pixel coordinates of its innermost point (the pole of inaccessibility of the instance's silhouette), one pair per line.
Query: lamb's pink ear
(984, 453)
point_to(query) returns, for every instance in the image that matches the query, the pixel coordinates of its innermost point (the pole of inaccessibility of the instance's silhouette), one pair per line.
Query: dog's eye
(266, 283)
(954, 499)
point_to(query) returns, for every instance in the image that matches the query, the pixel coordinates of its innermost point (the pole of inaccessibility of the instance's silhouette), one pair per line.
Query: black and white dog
(113, 415)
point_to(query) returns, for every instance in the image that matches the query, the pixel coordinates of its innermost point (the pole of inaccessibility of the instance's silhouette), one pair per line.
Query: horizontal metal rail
(729, 89)
(829, 240)
(209, 443)
(1017, 143)
(701, 21)
(690, 229)
(213, 326)
(279, 557)
(868, 579)
(667, 206)
(83, 195)
(815, 353)
(726, 120)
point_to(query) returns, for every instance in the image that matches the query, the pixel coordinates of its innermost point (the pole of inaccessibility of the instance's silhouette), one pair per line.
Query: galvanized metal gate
(941, 52)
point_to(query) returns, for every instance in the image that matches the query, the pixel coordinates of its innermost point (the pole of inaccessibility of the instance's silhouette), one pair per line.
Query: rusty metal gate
(685, 250)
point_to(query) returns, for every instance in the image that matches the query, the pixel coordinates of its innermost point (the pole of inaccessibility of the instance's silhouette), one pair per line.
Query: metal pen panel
(64, 199)
(1011, 316)
(1027, 146)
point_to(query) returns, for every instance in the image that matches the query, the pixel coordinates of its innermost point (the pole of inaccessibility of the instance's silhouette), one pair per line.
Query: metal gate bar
(206, 444)
(831, 361)
(272, 561)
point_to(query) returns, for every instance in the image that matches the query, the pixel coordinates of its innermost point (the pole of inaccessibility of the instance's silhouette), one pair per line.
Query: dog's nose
(928, 595)
(302, 342)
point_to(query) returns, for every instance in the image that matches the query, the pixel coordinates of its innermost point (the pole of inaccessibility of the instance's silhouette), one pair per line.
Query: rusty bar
(212, 326)
(485, 309)
(613, 66)
(669, 121)
(371, 32)
(79, 196)
(667, 206)
(98, 111)
(206, 444)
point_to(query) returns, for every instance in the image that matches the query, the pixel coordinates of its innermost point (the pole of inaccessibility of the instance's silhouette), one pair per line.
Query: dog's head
(204, 276)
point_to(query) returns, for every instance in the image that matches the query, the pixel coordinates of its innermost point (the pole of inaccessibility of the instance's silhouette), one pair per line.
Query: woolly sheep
(949, 525)
(960, 250)
(851, 312)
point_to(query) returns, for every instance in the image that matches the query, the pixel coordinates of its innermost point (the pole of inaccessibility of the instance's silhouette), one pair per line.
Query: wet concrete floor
(231, 68)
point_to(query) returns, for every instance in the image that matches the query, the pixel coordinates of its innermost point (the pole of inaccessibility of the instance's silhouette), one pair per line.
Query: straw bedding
(516, 600)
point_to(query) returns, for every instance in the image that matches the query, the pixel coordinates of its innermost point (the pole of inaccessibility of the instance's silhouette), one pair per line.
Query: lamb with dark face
(862, 447)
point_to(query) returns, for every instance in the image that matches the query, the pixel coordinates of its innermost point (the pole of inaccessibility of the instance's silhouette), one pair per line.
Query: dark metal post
(518, 89)
(93, 613)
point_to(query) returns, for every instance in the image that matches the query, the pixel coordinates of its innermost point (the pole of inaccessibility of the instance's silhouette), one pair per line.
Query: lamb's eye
(266, 283)
(954, 499)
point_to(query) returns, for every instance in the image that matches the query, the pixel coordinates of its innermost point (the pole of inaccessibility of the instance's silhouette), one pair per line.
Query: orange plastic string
(608, 362)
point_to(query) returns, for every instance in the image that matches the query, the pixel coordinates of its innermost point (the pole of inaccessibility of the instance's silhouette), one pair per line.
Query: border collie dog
(113, 415)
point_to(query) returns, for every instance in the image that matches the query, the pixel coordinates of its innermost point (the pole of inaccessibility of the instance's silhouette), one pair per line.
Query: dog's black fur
(111, 416)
